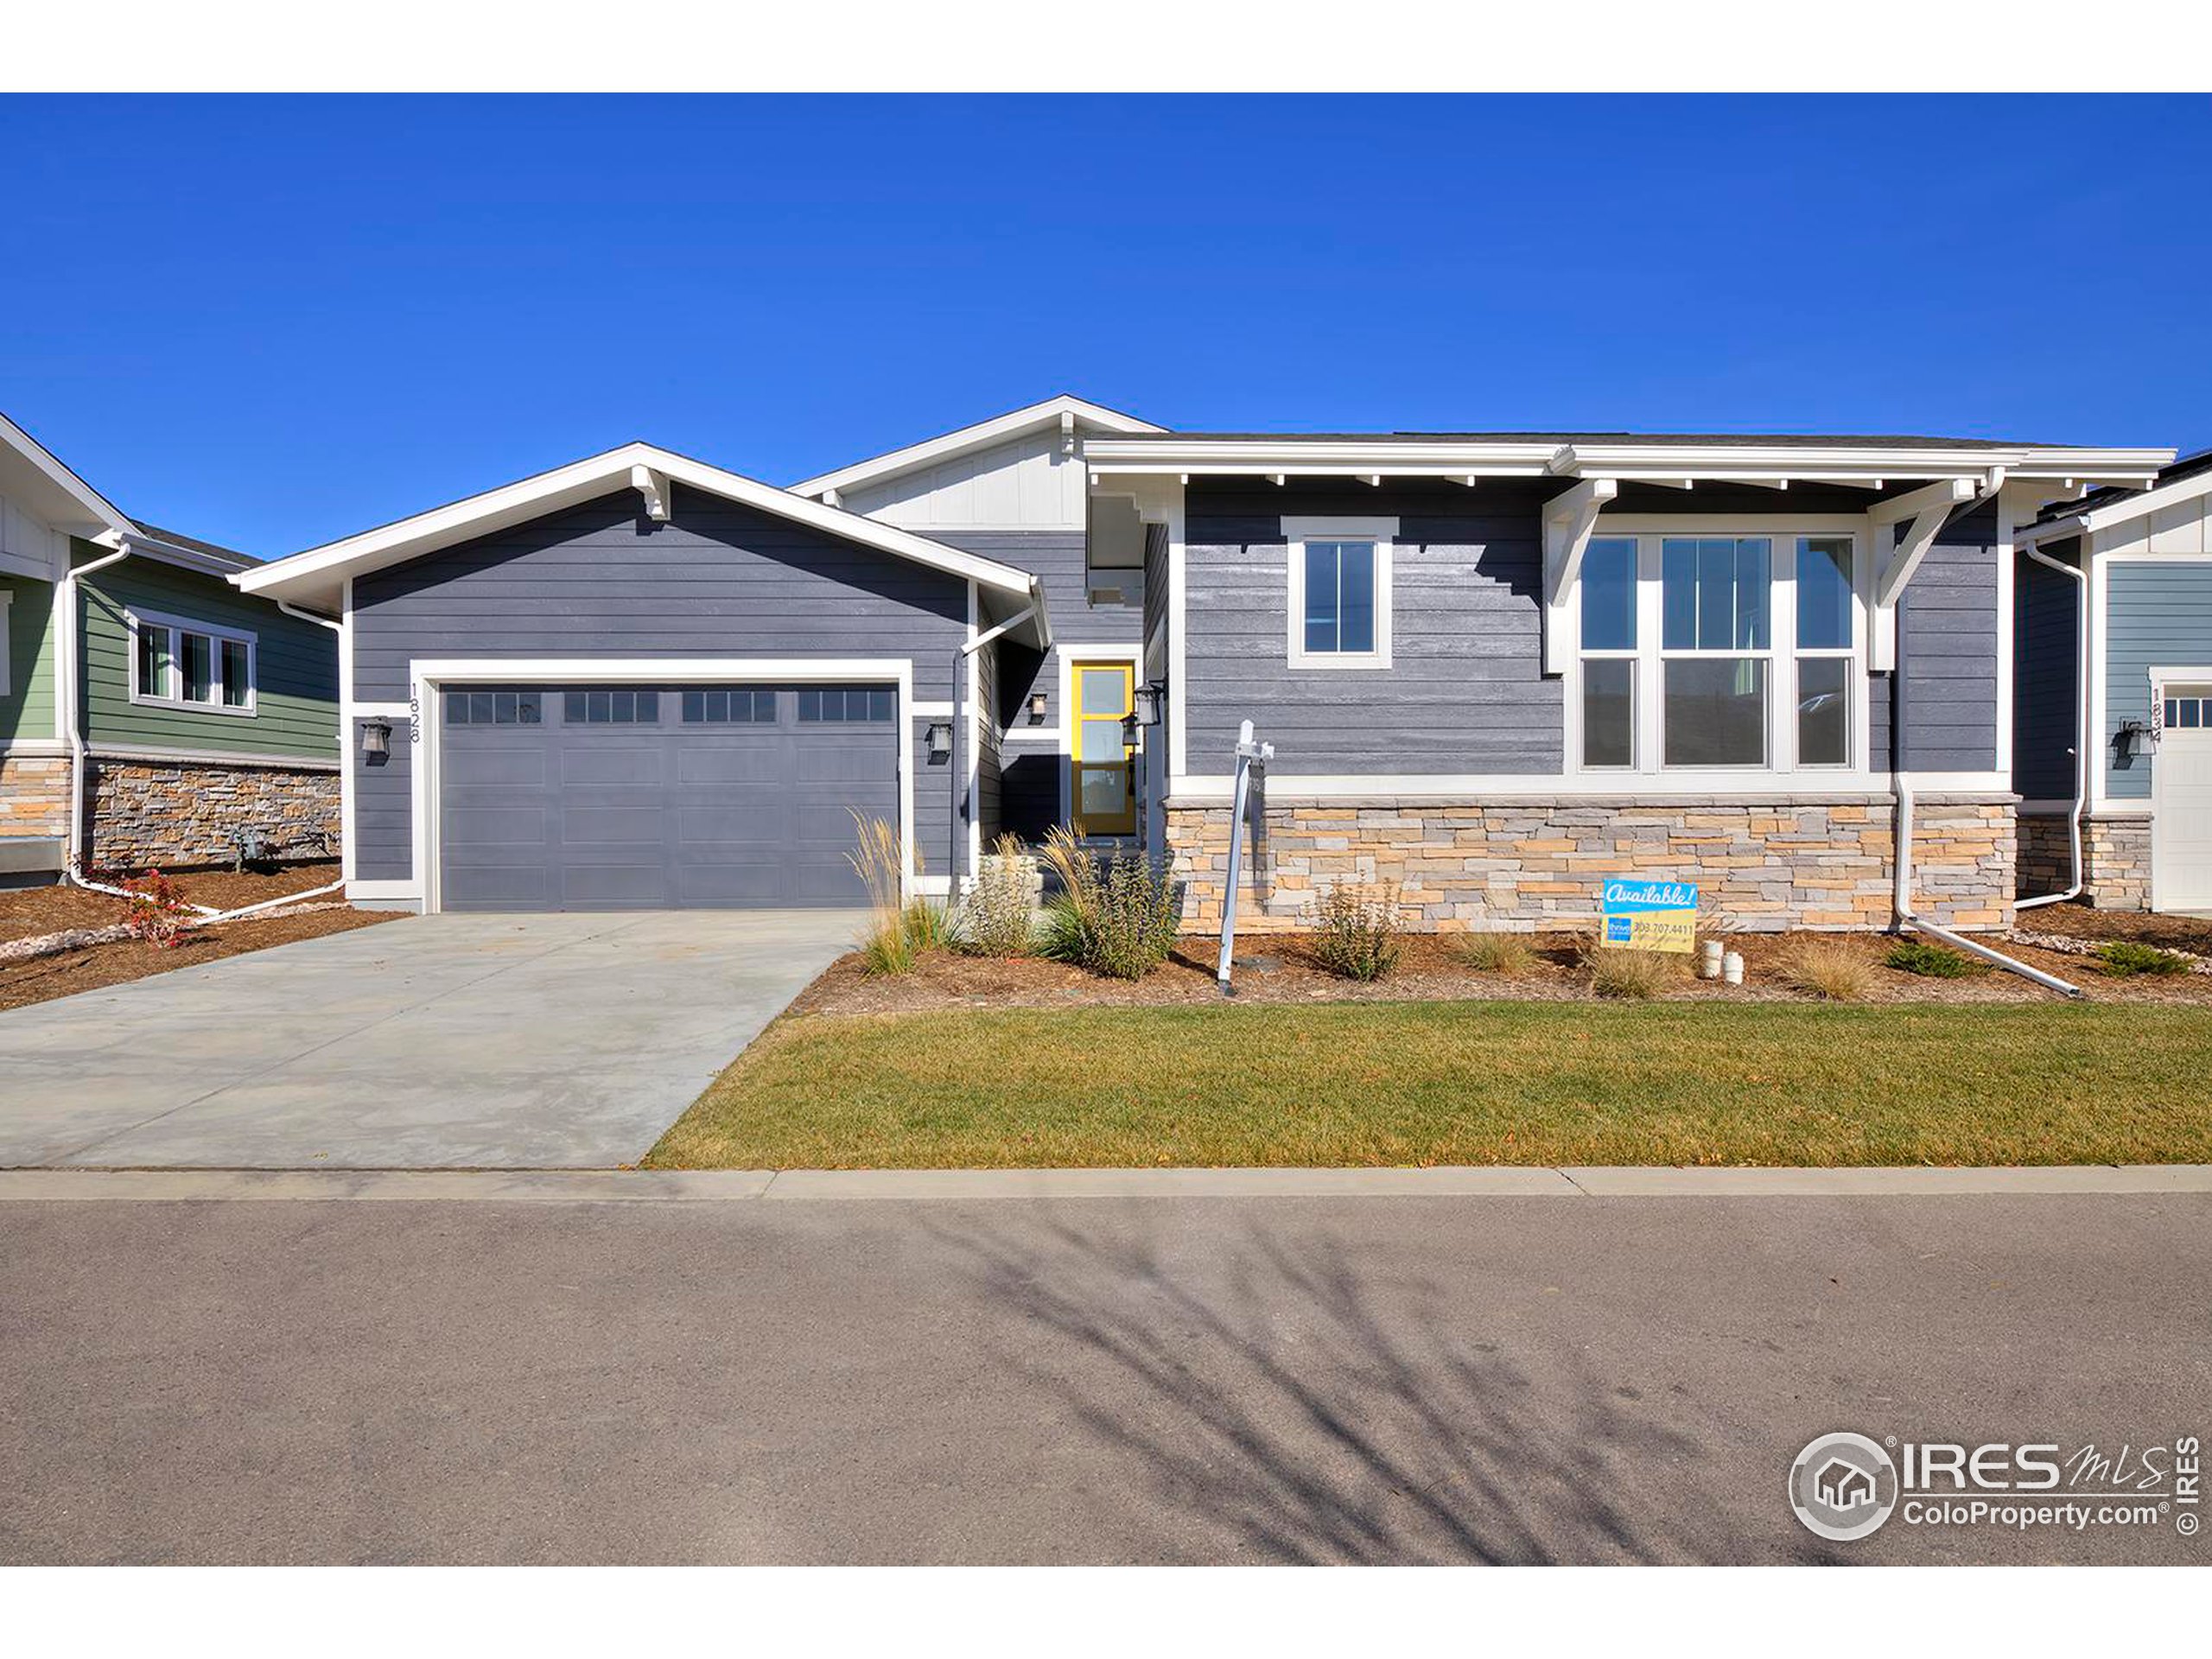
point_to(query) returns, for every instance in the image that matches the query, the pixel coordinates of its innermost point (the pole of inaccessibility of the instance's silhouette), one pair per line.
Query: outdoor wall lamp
(1036, 708)
(1146, 701)
(939, 738)
(376, 738)
(2127, 741)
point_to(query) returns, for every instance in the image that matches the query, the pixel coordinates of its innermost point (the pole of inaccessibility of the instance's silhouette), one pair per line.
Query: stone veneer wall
(186, 812)
(33, 795)
(2043, 863)
(1761, 867)
(2116, 864)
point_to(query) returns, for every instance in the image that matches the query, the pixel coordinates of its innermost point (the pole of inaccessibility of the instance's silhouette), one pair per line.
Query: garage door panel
(609, 816)
(595, 761)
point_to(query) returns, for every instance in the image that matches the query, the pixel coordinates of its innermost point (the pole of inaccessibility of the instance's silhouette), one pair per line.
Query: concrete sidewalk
(800, 1185)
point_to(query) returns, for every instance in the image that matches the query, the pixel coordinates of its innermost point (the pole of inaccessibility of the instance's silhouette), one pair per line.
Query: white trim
(1032, 733)
(1486, 789)
(33, 747)
(347, 714)
(931, 709)
(209, 757)
(103, 519)
(972, 789)
(219, 634)
(428, 675)
(7, 681)
(1382, 532)
(1052, 412)
(2098, 598)
(2148, 501)
(1069, 729)
(315, 572)
(2007, 558)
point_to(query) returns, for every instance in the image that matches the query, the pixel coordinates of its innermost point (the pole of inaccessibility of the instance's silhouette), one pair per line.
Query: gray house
(1497, 668)
(2113, 768)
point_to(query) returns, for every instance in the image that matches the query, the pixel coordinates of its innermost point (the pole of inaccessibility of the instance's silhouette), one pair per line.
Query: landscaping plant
(1832, 968)
(1931, 961)
(1633, 975)
(2125, 956)
(156, 910)
(1120, 920)
(998, 919)
(1510, 954)
(888, 944)
(1356, 933)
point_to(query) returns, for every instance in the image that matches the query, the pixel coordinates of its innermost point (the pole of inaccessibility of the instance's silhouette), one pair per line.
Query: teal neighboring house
(150, 713)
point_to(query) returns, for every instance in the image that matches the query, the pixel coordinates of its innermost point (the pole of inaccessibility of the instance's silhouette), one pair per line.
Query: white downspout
(2082, 747)
(73, 864)
(1903, 903)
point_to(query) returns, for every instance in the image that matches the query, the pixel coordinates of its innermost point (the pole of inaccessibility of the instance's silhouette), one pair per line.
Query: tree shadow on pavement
(1282, 1404)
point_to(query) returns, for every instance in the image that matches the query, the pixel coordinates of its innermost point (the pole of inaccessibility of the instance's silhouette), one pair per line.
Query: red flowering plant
(156, 910)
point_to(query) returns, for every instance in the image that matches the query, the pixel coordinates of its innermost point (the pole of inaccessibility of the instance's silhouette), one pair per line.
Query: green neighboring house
(204, 721)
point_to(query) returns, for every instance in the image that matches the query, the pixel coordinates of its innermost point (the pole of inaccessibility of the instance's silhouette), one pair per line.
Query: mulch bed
(2192, 933)
(1279, 968)
(26, 912)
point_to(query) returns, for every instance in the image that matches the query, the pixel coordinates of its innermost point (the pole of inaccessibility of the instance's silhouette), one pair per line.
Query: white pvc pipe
(2081, 746)
(214, 916)
(1906, 918)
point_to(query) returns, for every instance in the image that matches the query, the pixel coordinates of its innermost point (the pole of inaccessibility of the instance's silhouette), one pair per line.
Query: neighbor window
(1755, 661)
(1339, 599)
(191, 664)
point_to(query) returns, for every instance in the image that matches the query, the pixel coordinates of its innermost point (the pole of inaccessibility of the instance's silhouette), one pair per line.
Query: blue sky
(273, 322)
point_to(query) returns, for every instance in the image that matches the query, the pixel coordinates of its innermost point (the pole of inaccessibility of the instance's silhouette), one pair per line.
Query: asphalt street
(1148, 1380)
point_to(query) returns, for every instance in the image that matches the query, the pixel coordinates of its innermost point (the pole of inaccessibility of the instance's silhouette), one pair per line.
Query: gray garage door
(620, 798)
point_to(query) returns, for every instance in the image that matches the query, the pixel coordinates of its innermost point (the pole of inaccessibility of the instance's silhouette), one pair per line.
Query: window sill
(178, 705)
(1341, 663)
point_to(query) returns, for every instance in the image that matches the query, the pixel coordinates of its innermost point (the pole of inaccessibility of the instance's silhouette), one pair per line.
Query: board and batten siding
(1465, 692)
(296, 667)
(2046, 690)
(718, 579)
(27, 697)
(2158, 613)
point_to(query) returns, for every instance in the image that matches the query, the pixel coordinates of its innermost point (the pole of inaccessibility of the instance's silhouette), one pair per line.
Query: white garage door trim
(428, 677)
(2167, 888)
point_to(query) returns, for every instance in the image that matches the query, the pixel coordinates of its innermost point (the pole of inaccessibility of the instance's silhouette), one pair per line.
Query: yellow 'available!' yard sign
(1648, 915)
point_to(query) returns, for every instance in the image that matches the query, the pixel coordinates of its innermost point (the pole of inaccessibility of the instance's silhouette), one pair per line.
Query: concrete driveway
(439, 1041)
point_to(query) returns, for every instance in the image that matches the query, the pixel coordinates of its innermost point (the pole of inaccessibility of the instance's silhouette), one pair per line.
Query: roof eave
(948, 446)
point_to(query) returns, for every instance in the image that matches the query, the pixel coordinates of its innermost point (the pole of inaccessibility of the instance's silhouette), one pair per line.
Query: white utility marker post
(1247, 751)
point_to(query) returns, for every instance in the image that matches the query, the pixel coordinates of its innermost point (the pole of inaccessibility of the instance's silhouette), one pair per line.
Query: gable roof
(317, 576)
(1063, 409)
(33, 478)
(2186, 479)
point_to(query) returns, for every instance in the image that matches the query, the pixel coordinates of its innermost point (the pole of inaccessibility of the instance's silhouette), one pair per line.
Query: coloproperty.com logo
(1845, 1486)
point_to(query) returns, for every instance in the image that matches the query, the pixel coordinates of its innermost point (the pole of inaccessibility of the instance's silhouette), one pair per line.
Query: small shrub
(1830, 968)
(1931, 961)
(1635, 976)
(997, 919)
(929, 925)
(1120, 921)
(156, 910)
(2126, 957)
(1356, 932)
(1510, 954)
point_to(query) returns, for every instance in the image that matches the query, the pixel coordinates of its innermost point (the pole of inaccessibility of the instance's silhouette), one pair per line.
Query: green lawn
(1462, 1082)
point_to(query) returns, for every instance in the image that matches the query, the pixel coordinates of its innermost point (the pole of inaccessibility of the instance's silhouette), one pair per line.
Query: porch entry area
(1102, 786)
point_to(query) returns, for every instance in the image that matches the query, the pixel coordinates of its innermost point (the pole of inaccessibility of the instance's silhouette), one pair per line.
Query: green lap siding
(295, 713)
(27, 704)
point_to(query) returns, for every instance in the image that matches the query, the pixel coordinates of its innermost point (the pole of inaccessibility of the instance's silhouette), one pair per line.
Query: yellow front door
(1103, 788)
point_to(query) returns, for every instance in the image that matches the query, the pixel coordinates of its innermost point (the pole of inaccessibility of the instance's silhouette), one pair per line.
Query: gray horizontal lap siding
(384, 795)
(601, 580)
(1948, 667)
(1465, 692)
(2158, 614)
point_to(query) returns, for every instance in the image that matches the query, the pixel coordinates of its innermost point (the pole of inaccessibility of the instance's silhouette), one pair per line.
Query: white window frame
(1638, 675)
(1780, 654)
(172, 694)
(1384, 533)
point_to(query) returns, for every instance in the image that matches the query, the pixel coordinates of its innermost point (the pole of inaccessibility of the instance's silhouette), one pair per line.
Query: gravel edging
(2066, 944)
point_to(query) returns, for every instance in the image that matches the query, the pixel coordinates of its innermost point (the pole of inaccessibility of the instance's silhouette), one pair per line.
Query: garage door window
(493, 709)
(732, 705)
(848, 703)
(612, 708)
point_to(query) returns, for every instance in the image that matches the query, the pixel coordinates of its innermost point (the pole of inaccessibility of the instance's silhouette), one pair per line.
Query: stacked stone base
(1760, 866)
(2116, 864)
(34, 794)
(186, 812)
